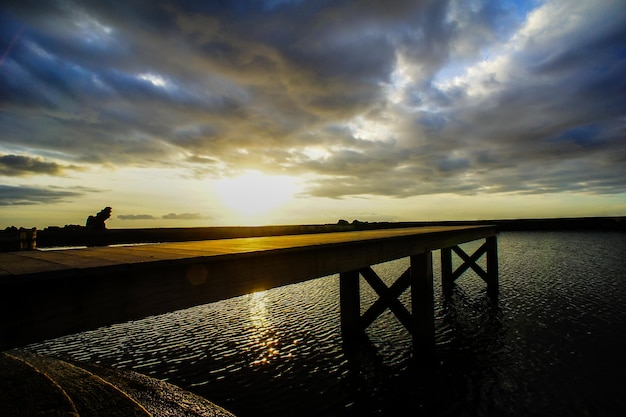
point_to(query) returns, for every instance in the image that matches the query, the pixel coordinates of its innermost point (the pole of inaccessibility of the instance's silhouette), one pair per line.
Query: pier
(47, 294)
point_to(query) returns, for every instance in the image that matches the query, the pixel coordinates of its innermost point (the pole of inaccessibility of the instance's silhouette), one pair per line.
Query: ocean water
(553, 342)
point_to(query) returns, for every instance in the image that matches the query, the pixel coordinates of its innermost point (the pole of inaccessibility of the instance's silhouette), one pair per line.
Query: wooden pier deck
(46, 294)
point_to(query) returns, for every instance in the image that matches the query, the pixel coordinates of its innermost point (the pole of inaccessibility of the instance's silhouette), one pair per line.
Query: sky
(205, 113)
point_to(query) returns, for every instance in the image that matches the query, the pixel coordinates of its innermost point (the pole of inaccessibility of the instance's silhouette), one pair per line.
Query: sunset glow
(186, 114)
(254, 193)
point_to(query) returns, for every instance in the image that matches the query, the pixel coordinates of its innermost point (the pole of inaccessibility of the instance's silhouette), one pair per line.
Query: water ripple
(552, 343)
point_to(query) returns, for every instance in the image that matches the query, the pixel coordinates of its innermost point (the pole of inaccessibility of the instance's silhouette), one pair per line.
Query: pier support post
(350, 304)
(447, 282)
(423, 304)
(493, 282)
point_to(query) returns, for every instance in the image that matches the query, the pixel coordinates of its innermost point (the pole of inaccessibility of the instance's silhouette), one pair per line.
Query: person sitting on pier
(97, 222)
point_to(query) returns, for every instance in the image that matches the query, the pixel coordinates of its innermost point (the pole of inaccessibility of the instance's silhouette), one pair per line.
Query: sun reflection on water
(263, 337)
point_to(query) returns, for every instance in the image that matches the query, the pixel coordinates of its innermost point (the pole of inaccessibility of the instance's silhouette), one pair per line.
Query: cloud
(170, 216)
(183, 216)
(21, 165)
(135, 217)
(27, 195)
(401, 99)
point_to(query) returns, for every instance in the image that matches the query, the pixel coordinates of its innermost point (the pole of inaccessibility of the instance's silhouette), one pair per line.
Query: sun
(254, 193)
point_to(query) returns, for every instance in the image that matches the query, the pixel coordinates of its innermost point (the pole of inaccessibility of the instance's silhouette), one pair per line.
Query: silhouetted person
(97, 222)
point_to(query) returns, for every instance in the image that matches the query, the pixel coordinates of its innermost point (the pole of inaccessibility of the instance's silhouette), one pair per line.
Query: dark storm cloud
(26, 195)
(20, 165)
(361, 93)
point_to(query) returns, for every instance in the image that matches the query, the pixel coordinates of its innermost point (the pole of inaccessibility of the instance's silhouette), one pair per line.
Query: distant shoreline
(55, 237)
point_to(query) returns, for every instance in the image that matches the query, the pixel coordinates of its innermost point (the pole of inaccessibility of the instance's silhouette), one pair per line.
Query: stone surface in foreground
(36, 385)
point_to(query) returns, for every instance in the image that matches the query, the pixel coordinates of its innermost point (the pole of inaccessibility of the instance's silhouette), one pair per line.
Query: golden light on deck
(255, 193)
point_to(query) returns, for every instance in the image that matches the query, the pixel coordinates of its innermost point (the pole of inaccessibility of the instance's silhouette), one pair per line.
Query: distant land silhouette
(72, 235)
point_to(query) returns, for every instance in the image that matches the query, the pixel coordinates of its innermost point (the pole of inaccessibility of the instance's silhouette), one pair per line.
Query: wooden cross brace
(388, 298)
(490, 276)
(419, 322)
